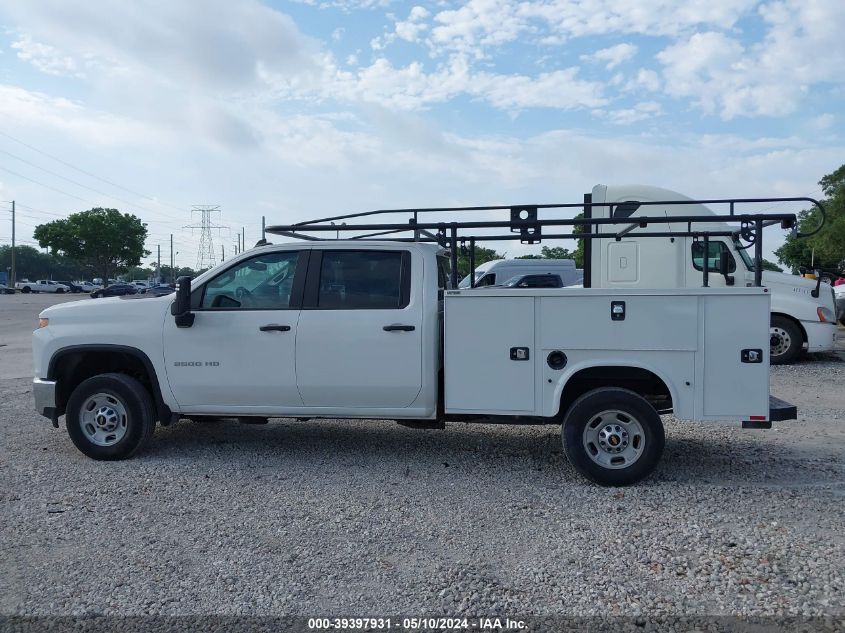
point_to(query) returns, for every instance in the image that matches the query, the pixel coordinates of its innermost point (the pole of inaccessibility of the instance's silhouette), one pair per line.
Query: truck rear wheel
(785, 340)
(110, 416)
(26, 289)
(613, 436)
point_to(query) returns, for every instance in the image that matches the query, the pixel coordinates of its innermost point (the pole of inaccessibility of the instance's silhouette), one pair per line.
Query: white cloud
(411, 29)
(21, 108)
(221, 46)
(613, 55)
(479, 25)
(625, 116)
(561, 89)
(46, 58)
(476, 25)
(646, 79)
(801, 47)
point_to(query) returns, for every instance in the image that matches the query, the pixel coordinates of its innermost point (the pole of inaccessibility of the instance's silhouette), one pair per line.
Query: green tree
(825, 249)
(32, 264)
(104, 240)
(767, 265)
(481, 255)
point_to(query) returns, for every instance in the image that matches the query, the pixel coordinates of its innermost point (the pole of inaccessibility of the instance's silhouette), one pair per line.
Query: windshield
(464, 283)
(743, 253)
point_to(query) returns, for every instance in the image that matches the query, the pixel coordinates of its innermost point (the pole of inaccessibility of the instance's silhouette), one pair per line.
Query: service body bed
(709, 346)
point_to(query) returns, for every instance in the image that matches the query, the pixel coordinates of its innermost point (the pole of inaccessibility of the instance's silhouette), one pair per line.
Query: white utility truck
(361, 328)
(803, 315)
(42, 285)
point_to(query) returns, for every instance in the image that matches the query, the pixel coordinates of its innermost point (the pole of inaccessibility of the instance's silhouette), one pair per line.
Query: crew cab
(42, 285)
(372, 329)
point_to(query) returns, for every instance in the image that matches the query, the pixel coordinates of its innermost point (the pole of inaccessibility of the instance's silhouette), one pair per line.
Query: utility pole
(12, 280)
(222, 252)
(239, 244)
(158, 266)
(263, 239)
(243, 237)
(172, 273)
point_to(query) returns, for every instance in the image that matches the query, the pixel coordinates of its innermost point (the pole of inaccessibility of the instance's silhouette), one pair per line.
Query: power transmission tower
(206, 256)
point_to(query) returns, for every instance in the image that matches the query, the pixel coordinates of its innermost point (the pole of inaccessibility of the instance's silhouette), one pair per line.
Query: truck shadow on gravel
(690, 457)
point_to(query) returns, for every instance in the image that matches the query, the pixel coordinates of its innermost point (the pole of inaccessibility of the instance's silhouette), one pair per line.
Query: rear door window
(364, 280)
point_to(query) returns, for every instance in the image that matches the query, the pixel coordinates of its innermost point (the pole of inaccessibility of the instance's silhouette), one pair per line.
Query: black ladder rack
(524, 225)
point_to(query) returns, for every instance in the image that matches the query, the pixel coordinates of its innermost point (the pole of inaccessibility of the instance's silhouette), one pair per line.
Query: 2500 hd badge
(198, 363)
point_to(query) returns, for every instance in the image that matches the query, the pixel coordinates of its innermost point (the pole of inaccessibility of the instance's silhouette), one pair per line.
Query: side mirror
(725, 267)
(181, 307)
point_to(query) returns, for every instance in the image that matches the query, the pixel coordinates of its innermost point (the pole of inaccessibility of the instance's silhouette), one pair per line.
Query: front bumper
(44, 393)
(821, 337)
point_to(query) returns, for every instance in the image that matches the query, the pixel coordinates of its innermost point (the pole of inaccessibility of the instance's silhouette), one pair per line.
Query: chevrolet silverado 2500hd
(373, 329)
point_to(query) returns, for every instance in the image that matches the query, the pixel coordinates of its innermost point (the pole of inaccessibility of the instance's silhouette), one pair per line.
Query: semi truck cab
(801, 318)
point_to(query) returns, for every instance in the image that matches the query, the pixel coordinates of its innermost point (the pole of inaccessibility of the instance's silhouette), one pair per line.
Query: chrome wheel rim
(614, 439)
(779, 340)
(103, 419)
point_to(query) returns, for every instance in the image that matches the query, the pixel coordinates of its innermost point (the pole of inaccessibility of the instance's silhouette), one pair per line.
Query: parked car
(42, 285)
(546, 280)
(115, 290)
(73, 286)
(5, 290)
(87, 286)
(158, 291)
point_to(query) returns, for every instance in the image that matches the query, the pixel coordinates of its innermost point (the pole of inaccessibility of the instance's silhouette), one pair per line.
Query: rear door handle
(398, 327)
(272, 327)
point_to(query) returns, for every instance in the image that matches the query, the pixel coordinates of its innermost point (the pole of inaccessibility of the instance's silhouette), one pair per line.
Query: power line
(74, 182)
(84, 186)
(41, 184)
(88, 173)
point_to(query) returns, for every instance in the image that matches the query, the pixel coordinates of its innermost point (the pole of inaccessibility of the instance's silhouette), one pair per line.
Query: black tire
(96, 294)
(625, 404)
(138, 406)
(785, 340)
(60, 291)
(26, 290)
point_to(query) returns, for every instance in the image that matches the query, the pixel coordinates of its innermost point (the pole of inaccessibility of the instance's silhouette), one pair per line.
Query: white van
(499, 272)
(803, 315)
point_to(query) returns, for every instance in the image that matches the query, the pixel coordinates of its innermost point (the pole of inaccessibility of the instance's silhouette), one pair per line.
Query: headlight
(42, 322)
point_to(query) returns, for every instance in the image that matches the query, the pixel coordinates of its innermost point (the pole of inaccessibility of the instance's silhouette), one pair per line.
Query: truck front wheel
(110, 416)
(613, 436)
(785, 340)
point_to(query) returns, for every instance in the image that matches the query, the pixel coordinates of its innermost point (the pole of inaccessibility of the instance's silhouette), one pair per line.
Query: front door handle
(397, 327)
(272, 327)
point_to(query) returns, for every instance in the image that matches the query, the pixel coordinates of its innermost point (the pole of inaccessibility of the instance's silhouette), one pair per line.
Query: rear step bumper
(779, 410)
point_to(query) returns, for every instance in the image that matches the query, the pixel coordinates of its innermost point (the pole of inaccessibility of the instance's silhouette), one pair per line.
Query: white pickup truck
(42, 285)
(371, 329)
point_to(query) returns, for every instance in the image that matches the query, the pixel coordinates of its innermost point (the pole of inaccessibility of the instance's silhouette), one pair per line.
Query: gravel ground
(364, 518)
